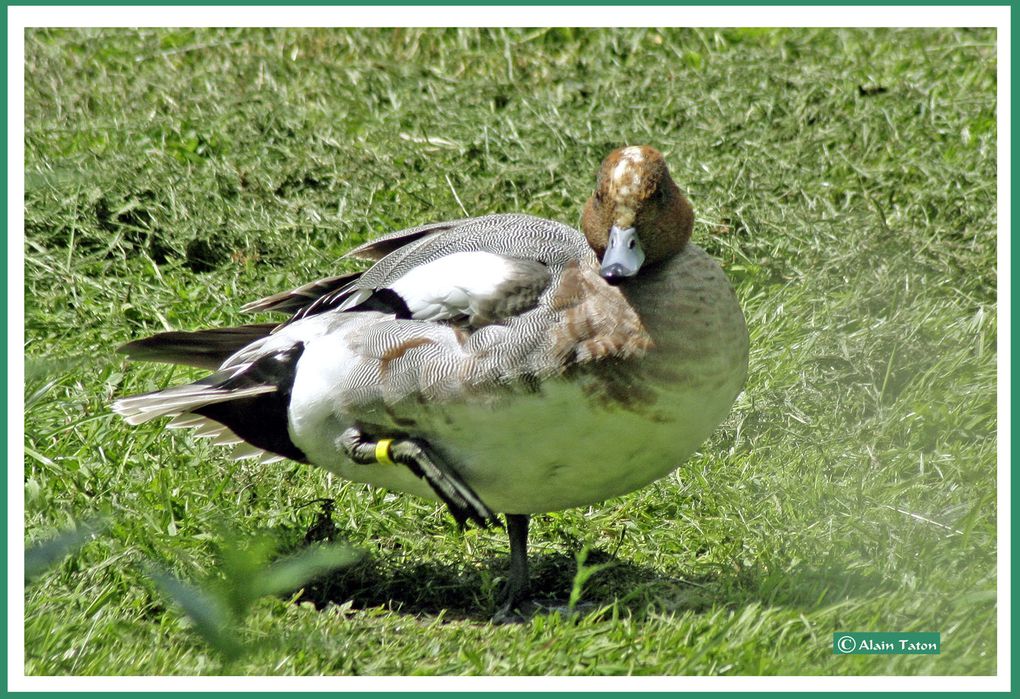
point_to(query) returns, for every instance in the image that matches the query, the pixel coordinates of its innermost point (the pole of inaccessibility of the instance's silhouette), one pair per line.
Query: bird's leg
(518, 577)
(425, 463)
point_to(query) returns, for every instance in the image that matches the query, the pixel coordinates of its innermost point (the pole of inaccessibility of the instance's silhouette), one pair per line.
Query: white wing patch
(461, 284)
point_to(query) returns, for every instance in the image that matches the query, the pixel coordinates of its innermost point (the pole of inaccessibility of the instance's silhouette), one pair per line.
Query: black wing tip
(297, 300)
(385, 301)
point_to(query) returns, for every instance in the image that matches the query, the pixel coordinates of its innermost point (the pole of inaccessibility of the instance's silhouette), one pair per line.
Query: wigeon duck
(503, 363)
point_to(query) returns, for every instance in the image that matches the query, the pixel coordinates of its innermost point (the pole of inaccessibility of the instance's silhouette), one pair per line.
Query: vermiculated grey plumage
(400, 362)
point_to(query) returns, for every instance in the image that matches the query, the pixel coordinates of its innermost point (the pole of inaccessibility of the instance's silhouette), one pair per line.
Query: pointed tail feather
(206, 349)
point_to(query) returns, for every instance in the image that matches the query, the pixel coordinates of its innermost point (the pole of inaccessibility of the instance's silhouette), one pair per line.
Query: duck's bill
(624, 256)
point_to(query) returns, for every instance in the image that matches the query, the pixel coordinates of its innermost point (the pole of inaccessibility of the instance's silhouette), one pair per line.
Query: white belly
(559, 449)
(554, 449)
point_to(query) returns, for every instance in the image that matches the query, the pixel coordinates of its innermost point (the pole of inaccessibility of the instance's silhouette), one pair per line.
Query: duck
(499, 364)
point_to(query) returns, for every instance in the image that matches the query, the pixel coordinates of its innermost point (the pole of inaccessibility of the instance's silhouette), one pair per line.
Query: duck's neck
(666, 294)
(654, 279)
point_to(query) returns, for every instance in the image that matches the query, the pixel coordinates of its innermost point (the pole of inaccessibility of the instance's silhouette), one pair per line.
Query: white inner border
(21, 17)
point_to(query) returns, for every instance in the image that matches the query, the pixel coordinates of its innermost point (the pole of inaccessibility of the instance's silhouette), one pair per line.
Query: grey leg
(518, 577)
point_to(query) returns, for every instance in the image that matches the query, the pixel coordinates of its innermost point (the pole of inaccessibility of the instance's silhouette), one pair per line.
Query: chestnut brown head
(637, 215)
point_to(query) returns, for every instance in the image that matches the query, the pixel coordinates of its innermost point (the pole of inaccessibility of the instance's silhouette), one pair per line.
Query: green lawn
(845, 179)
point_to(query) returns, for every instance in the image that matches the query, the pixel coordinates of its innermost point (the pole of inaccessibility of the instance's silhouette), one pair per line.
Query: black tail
(248, 401)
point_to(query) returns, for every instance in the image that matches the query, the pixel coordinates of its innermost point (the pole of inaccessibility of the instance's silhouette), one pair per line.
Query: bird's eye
(631, 244)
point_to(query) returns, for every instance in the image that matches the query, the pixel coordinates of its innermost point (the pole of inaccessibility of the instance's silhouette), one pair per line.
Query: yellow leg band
(382, 451)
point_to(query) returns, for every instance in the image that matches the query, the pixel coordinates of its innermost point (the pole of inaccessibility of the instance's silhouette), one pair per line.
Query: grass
(845, 179)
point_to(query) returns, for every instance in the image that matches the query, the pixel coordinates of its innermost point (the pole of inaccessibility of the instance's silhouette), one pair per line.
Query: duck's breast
(613, 426)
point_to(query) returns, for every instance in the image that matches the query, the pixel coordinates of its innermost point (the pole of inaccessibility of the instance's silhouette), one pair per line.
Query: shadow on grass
(465, 593)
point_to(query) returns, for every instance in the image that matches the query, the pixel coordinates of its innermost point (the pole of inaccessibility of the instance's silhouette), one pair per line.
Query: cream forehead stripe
(626, 177)
(626, 173)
